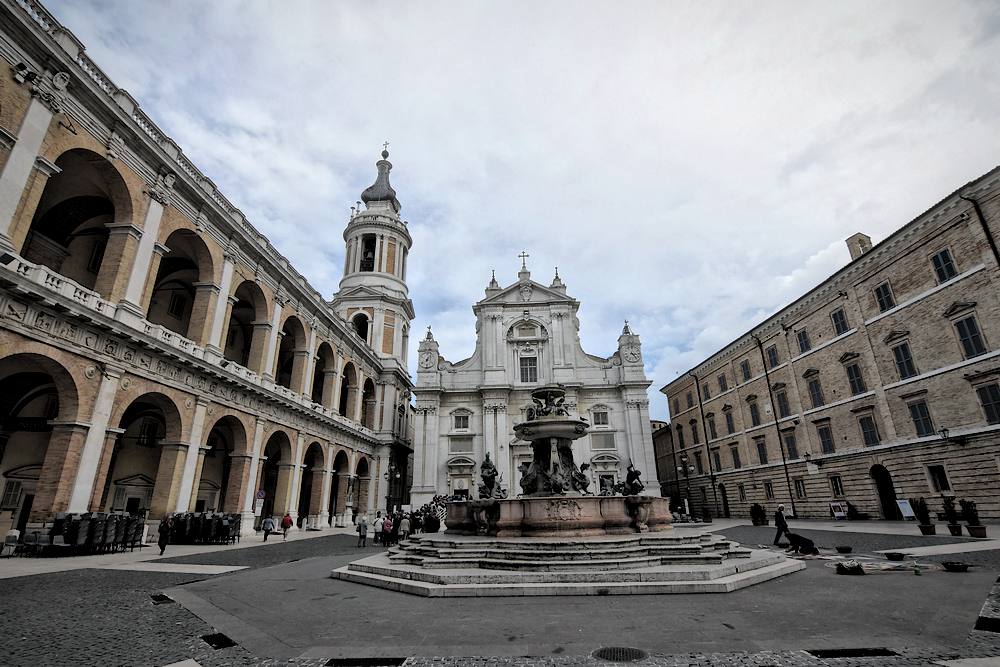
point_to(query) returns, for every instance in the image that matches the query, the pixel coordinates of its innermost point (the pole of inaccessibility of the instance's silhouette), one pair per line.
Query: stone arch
(72, 224)
(324, 375)
(39, 442)
(248, 327)
(348, 390)
(526, 328)
(292, 356)
(146, 460)
(276, 474)
(368, 404)
(362, 324)
(183, 290)
(311, 488)
(363, 473)
(339, 484)
(226, 465)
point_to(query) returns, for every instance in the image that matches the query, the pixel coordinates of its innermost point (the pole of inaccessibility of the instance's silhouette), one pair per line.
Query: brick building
(881, 383)
(157, 354)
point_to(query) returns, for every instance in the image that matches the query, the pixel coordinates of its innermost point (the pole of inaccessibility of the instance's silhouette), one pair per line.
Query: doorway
(886, 493)
(725, 501)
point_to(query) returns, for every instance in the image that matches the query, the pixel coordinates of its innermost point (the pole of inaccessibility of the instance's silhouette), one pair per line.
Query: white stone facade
(527, 336)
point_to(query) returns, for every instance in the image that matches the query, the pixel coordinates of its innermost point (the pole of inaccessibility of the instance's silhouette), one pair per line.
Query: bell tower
(373, 296)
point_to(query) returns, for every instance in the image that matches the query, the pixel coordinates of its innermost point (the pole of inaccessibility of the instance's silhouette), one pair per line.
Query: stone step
(605, 542)
(724, 584)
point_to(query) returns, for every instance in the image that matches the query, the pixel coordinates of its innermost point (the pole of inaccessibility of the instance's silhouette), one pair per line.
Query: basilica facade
(528, 335)
(157, 353)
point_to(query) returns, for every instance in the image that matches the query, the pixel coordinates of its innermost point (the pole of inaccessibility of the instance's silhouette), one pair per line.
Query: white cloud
(690, 166)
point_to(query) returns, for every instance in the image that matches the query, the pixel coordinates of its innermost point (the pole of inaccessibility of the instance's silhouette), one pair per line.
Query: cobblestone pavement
(105, 617)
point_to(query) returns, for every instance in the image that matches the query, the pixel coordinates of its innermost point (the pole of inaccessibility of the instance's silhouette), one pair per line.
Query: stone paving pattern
(105, 617)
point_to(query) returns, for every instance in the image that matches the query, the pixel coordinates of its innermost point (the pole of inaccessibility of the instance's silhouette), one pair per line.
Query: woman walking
(164, 532)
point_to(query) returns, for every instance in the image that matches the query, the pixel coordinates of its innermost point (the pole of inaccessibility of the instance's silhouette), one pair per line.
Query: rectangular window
(717, 459)
(825, 434)
(772, 356)
(461, 422)
(969, 336)
(884, 298)
(11, 495)
(734, 451)
(904, 361)
(761, 450)
(600, 418)
(705, 393)
(677, 407)
(175, 308)
(939, 478)
(803, 337)
(754, 415)
(680, 436)
(816, 393)
(782, 400)
(837, 486)
(856, 379)
(769, 490)
(944, 266)
(698, 465)
(148, 433)
(712, 433)
(462, 445)
(690, 399)
(723, 383)
(840, 325)
(869, 431)
(730, 426)
(529, 369)
(791, 447)
(602, 440)
(695, 434)
(921, 417)
(800, 488)
(989, 396)
(742, 491)
(745, 369)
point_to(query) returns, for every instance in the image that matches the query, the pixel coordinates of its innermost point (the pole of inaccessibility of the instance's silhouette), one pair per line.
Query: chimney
(858, 245)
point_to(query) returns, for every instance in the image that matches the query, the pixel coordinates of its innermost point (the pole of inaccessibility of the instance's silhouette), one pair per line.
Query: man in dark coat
(780, 523)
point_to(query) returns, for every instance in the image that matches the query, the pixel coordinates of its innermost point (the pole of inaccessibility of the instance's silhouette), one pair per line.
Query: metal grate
(619, 654)
(850, 652)
(365, 662)
(160, 598)
(218, 640)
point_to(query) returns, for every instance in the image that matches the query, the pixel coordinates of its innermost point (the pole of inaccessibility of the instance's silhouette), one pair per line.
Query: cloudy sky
(689, 166)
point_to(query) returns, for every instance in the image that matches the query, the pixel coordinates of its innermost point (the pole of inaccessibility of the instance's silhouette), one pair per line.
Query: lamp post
(392, 476)
(686, 469)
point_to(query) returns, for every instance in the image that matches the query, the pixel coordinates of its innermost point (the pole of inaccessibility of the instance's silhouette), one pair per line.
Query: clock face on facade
(426, 360)
(631, 353)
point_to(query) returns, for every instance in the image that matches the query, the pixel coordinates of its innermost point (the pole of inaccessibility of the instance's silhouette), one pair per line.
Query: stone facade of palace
(527, 336)
(157, 354)
(884, 380)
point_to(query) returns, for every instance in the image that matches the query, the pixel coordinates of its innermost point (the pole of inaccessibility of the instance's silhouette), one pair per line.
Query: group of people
(268, 525)
(389, 529)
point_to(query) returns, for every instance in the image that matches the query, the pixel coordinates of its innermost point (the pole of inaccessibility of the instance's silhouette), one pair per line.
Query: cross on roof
(385, 145)
(524, 256)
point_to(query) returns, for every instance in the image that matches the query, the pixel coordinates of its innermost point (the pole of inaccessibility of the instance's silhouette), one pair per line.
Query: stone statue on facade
(489, 486)
(580, 481)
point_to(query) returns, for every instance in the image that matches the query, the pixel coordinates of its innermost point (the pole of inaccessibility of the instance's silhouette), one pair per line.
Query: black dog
(801, 545)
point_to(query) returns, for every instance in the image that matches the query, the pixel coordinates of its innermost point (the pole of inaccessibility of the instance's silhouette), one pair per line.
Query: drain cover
(619, 654)
(850, 652)
(160, 598)
(218, 640)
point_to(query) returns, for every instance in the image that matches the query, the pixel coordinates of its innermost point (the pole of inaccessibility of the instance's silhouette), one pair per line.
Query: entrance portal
(725, 501)
(886, 493)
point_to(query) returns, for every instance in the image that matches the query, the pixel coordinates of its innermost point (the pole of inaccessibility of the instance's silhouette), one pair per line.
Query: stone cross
(524, 256)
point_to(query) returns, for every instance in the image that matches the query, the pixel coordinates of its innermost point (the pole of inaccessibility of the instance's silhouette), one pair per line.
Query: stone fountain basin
(551, 427)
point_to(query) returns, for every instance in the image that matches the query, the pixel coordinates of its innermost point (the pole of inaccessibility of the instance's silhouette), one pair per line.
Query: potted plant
(923, 514)
(971, 515)
(951, 515)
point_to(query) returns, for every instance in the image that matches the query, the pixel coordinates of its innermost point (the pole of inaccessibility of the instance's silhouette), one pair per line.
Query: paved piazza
(278, 603)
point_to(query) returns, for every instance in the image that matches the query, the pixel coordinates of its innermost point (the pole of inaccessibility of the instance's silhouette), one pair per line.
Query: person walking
(377, 528)
(164, 533)
(404, 527)
(286, 524)
(780, 523)
(267, 525)
(387, 531)
(363, 532)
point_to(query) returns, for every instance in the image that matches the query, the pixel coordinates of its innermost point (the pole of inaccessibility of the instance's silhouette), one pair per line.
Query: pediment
(751, 398)
(894, 335)
(848, 356)
(777, 386)
(810, 372)
(135, 480)
(525, 292)
(31, 471)
(959, 307)
(605, 458)
(461, 462)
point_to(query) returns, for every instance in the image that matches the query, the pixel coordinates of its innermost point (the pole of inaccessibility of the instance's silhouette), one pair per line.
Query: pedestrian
(387, 531)
(394, 533)
(363, 532)
(377, 528)
(286, 523)
(404, 527)
(418, 522)
(267, 525)
(164, 532)
(780, 523)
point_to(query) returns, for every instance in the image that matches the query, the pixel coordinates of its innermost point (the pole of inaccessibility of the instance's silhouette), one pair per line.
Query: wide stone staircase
(670, 562)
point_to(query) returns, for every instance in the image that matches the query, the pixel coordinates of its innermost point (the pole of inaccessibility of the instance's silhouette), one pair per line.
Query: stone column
(300, 366)
(327, 487)
(358, 398)
(257, 359)
(123, 242)
(225, 301)
(283, 498)
(206, 298)
(130, 308)
(93, 447)
(330, 381)
(239, 477)
(103, 469)
(168, 479)
(199, 457)
(337, 384)
(270, 358)
(192, 473)
(59, 469)
(316, 509)
(21, 160)
(307, 383)
(341, 508)
(362, 504)
(253, 475)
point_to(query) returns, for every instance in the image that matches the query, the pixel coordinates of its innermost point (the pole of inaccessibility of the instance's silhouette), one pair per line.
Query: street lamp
(686, 469)
(392, 476)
